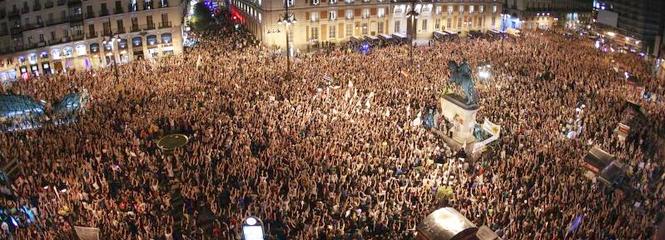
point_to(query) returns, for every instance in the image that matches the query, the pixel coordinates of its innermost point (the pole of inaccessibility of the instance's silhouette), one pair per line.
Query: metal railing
(77, 37)
(48, 4)
(76, 18)
(165, 24)
(149, 27)
(13, 13)
(135, 28)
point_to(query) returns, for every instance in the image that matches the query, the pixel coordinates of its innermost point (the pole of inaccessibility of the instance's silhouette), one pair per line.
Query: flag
(574, 224)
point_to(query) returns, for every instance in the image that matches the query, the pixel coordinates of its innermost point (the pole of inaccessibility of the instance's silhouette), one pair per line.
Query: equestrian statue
(461, 75)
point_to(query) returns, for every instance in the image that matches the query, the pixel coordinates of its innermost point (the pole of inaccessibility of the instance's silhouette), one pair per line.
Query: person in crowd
(332, 152)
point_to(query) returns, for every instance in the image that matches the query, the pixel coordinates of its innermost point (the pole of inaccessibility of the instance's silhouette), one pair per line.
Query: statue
(461, 75)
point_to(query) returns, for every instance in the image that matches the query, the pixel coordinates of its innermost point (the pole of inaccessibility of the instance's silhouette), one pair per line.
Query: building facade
(643, 20)
(46, 36)
(336, 21)
(545, 14)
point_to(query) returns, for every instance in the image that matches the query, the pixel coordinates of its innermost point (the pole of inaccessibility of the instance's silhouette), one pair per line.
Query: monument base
(462, 116)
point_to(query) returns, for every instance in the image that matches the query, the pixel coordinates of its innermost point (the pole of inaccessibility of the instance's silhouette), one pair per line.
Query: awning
(400, 35)
(446, 224)
(597, 159)
(371, 38)
(385, 37)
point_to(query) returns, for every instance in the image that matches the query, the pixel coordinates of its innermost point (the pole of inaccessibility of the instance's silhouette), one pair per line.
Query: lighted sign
(32, 58)
(55, 53)
(67, 52)
(80, 50)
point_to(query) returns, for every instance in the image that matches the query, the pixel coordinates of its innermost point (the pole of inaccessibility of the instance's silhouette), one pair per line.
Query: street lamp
(484, 71)
(413, 15)
(169, 144)
(111, 39)
(252, 229)
(287, 20)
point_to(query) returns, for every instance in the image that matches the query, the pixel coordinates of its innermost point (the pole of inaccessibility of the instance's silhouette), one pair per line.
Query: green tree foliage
(202, 17)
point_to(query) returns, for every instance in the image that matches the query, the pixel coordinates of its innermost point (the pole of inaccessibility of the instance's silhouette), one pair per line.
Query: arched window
(151, 39)
(167, 38)
(137, 41)
(122, 44)
(94, 48)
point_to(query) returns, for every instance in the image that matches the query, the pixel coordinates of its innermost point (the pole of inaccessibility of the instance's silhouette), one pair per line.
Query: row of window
(450, 8)
(132, 6)
(364, 29)
(248, 10)
(80, 49)
(399, 11)
(77, 31)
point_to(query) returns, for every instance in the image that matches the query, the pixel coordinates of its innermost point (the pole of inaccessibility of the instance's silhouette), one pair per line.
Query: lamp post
(111, 40)
(287, 20)
(484, 71)
(169, 144)
(413, 15)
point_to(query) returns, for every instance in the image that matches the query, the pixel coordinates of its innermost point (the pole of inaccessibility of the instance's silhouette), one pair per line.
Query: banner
(87, 233)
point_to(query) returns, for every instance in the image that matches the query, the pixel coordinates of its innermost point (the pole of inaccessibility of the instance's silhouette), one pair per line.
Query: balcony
(74, 3)
(77, 37)
(149, 27)
(118, 11)
(37, 7)
(61, 2)
(76, 18)
(135, 28)
(55, 22)
(165, 25)
(13, 14)
(25, 9)
(92, 35)
(16, 30)
(121, 29)
(104, 12)
(106, 32)
(48, 4)
(89, 15)
(28, 27)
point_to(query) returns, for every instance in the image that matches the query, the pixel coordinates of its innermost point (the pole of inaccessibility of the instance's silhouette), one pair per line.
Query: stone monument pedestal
(463, 116)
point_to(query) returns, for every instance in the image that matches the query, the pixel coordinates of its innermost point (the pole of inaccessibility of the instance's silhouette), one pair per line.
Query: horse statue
(461, 75)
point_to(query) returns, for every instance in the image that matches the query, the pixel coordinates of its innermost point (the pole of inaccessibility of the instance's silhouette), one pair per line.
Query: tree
(201, 18)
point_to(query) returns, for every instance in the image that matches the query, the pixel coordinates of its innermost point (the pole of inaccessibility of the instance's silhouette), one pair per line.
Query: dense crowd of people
(331, 152)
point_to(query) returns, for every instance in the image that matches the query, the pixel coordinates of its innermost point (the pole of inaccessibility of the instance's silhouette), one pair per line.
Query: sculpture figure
(461, 75)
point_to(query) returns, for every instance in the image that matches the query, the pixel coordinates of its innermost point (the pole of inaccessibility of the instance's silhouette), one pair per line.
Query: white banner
(87, 233)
